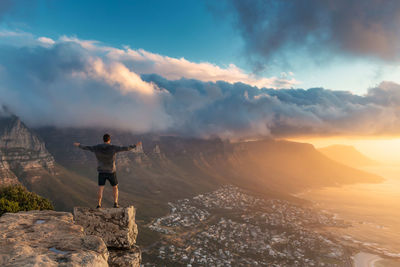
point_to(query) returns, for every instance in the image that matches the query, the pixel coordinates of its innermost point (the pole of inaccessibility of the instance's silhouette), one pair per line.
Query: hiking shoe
(116, 205)
(98, 207)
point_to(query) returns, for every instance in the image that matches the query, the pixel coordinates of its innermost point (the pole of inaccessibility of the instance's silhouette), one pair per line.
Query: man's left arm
(126, 148)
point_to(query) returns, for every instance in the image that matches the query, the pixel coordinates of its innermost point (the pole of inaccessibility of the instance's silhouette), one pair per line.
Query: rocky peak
(135, 156)
(156, 149)
(157, 153)
(139, 149)
(22, 152)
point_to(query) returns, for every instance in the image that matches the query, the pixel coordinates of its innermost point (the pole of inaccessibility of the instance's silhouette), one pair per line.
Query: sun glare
(386, 151)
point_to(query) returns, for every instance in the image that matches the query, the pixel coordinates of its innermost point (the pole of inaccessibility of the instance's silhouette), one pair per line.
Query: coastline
(364, 259)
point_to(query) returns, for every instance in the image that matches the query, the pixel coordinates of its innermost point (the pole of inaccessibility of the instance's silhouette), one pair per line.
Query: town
(230, 227)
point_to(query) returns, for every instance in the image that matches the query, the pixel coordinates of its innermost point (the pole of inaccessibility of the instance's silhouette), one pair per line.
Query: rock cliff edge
(104, 237)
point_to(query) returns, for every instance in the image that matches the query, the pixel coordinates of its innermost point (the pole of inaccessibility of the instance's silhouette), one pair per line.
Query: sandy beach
(363, 259)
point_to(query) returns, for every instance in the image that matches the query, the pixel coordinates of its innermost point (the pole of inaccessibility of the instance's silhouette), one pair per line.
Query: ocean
(373, 210)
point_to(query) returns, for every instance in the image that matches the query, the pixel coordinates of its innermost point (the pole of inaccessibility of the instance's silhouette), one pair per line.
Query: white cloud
(145, 62)
(82, 84)
(7, 33)
(119, 76)
(65, 83)
(46, 40)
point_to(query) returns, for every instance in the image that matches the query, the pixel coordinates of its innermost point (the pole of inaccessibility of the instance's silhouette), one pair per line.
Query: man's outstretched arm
(90, 148)
(127, 148)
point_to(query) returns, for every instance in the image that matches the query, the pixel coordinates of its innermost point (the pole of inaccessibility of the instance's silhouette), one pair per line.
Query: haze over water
(373, 209)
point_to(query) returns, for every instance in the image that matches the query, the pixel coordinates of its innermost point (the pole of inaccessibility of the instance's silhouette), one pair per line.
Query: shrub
(16, 198)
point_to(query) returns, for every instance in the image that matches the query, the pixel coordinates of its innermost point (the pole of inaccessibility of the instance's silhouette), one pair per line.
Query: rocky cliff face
(23, 156)
(117, 228)
(7, 177)
(104, 237)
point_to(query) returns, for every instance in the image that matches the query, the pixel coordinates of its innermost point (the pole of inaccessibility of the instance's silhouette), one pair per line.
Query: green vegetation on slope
(16, 198)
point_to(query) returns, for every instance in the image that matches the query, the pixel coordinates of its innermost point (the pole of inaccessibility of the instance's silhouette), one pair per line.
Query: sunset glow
(385, 150)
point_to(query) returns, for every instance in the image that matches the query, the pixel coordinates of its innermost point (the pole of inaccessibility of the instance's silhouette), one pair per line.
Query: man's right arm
(90, 148)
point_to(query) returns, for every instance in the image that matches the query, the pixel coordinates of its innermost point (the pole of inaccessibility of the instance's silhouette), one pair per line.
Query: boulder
(48, 238)
(125, 257)
(116, 226)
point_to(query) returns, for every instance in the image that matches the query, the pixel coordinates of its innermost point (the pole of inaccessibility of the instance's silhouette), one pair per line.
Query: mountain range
(165, 168)
(347, 155)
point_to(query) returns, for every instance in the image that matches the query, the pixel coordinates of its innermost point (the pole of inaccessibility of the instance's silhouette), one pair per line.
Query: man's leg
(102, 182)
(100, 194)
(115, 193)
(114, 183)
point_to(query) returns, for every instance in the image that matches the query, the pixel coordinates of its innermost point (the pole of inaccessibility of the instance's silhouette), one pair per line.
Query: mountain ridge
(167, 168)
(347, 155)
(183, 156)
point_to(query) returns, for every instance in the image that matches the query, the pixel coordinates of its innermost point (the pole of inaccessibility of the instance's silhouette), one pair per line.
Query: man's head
(106, 138)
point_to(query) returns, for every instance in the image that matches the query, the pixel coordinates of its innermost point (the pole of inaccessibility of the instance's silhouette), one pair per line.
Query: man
(106, 154)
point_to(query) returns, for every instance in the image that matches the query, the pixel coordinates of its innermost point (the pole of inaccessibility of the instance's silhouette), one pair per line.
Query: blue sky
(179, 28)
(190, 29)
(232, 68)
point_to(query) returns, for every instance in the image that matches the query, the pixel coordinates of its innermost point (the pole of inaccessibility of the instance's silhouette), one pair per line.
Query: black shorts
(111, 177)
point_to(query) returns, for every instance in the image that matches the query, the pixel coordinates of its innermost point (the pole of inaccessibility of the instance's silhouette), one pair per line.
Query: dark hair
(106, 137)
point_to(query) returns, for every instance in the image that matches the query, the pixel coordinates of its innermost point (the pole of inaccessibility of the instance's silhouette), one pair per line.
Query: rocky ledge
(115, 226)
(48, 238)
(104, 237)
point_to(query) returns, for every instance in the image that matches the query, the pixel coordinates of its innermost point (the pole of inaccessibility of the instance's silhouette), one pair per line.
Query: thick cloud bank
(350, 27)
(240, 110)
(77, 83)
